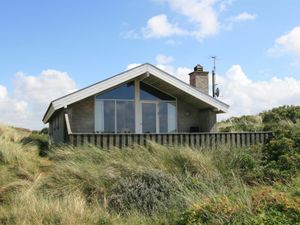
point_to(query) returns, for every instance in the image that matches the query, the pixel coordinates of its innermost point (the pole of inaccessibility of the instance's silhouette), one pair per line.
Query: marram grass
(154, 185)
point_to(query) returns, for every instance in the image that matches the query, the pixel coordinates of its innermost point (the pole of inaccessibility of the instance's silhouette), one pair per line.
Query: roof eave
(48, 113)
(219, 106)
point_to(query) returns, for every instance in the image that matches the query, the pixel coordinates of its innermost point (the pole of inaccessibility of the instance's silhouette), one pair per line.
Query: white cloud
(163, 59)
(132, 65)
(30, 97)
(163, 63)
(223, 6)
(3, 92)
(201, 20)
(238, 18)
(246, 96)
(201, 13)
(287, 43)
(242, 17)
(182, 73)
(159, 26)
(50, 84)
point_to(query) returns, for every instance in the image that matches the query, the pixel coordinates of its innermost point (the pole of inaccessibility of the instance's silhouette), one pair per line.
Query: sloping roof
(129, 75)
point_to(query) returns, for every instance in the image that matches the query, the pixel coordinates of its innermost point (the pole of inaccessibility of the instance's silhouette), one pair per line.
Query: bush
(281, 160)
(148, 192)
(243, 123)
(278, 147)
(264, 206)
(282, 113)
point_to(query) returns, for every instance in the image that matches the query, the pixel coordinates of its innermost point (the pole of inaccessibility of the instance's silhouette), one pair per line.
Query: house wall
(82, 116)
(57, 128)
(189, 116)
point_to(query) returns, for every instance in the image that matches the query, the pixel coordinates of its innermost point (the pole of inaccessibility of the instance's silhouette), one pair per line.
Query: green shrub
(243, 123)
(145, 191)
(265, 206)
(287, 113)
(278, 147)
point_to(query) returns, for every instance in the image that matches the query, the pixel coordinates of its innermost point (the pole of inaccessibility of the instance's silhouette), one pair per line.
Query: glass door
(149, 117)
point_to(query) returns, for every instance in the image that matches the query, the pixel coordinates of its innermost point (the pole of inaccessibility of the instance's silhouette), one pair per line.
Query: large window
(158, 110)
(149, 117)
(115, 110)
(167, 117)
(109, 108)
(125, 116)
(148, 92)
(125, 91)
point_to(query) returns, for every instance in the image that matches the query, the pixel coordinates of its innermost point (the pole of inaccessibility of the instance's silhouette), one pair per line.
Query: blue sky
(82, 42)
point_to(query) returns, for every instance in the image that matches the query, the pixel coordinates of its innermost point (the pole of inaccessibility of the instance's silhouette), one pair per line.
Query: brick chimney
(199, 79)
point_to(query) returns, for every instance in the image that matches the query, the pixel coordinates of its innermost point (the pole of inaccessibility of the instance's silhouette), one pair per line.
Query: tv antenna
(215, 91)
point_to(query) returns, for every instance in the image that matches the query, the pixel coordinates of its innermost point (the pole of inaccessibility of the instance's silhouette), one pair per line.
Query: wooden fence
(194, 140)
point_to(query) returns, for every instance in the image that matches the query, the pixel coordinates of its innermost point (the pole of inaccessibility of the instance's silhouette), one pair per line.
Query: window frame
(157, 102)
(115, 114)
(111, 89)
(138, 102)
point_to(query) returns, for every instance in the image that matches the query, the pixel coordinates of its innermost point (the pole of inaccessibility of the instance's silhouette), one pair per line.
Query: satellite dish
(217, 93)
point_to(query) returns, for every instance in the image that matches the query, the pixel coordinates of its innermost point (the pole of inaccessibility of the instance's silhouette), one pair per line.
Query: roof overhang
(151, 75)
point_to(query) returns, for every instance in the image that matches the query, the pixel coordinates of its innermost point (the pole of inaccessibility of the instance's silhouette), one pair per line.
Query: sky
(52, 48)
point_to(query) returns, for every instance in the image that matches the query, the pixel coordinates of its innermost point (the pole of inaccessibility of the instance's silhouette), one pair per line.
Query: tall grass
(153, 185)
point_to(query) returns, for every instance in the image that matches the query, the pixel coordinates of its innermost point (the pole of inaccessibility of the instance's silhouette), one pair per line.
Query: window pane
(125, 91)
(109, 116)
(167, 117)
(148, 92)
(171, 117)
(125, 117)
(149, 117)
(163, 117)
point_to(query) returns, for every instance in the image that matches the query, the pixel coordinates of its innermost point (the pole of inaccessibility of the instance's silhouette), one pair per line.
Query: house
(144, 99)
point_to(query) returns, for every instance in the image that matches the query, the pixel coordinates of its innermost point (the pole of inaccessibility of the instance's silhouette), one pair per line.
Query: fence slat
(193, 140)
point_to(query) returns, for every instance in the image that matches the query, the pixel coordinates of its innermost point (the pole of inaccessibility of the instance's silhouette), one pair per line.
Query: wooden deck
(194, 140)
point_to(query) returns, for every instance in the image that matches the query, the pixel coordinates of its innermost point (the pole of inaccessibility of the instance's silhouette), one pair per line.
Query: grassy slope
(157, 185)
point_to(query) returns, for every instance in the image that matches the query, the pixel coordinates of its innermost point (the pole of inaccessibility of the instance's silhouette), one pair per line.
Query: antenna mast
(213, 76)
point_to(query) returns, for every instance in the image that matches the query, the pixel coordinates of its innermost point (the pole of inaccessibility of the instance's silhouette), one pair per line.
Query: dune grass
(153, 185)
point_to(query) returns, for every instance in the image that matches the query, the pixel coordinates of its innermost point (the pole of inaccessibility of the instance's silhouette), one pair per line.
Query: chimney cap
(198, 68)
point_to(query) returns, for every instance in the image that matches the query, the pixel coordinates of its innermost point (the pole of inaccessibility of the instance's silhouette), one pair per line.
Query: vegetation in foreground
(154, 185)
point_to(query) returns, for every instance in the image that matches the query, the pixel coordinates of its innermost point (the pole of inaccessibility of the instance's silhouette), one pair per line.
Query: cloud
(132, 65)
(201, 20)
(223, 6)
(182, 73)
(245, 16)
(29, 99)
(200, 13)
(242, 17)
(163, 63)
(159, 26)
(3, 92)
(287, 43)
(246, 96)
(163, 59)
(50, 84)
